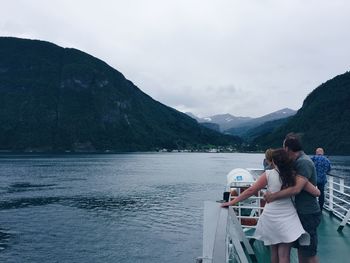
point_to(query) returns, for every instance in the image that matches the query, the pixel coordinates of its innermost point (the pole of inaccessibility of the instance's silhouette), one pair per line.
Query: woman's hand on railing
(226, 204)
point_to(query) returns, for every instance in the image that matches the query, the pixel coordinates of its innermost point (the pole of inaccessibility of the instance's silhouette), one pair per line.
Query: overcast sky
(243, 57)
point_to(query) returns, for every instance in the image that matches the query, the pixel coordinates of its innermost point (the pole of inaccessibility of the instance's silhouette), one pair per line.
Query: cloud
(246, 58)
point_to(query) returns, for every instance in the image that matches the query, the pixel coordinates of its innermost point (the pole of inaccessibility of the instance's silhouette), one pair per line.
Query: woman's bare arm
(257, 186)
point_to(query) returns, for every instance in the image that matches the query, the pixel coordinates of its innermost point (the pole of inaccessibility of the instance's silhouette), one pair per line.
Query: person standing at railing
(267, 162)
(323, 167)
(307, 205)
(279, 225)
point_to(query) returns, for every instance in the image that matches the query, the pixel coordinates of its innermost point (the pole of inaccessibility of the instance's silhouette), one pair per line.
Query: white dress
(279, 222)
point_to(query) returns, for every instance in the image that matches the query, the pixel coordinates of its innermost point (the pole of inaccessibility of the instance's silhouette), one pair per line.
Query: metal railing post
(341, 185)
(330, 188)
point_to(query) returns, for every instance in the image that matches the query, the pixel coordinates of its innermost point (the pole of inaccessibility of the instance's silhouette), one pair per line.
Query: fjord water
(112, 208)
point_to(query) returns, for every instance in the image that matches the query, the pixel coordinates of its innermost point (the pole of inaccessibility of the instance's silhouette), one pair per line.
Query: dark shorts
(310, 223)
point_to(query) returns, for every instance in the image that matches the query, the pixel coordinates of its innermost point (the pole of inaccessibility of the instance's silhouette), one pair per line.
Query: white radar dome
(240, 177)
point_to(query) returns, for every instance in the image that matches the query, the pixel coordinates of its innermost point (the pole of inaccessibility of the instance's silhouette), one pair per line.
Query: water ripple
(26, 186)
(27, 202)
(5, 237)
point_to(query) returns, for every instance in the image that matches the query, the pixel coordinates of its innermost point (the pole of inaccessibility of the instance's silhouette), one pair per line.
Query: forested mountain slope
(54, 98)
(323, 120)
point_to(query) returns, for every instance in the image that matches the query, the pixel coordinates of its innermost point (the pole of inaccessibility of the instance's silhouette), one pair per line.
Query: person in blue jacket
(323, 166)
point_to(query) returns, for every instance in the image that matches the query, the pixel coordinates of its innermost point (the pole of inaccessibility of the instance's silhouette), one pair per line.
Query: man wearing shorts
(306, 205)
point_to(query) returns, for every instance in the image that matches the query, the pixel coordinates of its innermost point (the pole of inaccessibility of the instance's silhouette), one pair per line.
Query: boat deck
(226, 237)
(333, 246)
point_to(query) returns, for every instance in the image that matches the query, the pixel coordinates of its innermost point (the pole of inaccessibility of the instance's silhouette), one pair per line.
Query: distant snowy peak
(225, 121)
(227, 118)
(283, 113)
(286, 111)
(228, 121)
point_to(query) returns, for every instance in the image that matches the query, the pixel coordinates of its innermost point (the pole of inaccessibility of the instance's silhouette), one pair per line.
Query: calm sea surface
(112, 208)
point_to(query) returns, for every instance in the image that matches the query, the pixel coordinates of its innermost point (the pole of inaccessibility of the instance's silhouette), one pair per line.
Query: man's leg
(310, 222)
(321, 197)
(302, 259)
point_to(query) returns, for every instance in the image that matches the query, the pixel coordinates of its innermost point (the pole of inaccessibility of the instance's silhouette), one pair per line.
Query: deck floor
(333, 246)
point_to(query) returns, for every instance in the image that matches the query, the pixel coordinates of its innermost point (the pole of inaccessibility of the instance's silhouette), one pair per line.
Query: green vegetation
(263, 129)
(323, 120)
(60, 99)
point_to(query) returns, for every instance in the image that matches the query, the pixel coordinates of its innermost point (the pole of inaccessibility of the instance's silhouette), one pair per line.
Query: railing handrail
(341, 185)
(335, 175)
(220, 229)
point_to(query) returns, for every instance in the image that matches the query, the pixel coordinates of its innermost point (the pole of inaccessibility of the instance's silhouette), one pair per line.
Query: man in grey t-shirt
(307, 206)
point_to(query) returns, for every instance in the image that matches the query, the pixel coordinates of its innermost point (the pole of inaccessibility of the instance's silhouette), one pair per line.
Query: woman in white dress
(279, 225)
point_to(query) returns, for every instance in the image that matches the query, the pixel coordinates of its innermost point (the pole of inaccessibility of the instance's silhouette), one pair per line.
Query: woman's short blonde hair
(268, 154)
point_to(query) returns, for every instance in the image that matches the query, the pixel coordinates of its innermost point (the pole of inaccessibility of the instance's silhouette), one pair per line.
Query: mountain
(203, 122)
(233, 125)
(280, 114)
(263, 129)
(192, 116)
(224, 121)
(211, 125)
(62, 99)
(241, 130)
(227, 121)
(323, 120)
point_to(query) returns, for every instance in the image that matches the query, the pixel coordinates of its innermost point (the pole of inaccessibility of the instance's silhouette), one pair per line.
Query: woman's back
(274, 184)
(279, 222)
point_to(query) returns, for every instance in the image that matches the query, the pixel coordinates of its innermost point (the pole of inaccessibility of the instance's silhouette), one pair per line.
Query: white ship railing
(226, 230)
(223, 237)
(337, 199)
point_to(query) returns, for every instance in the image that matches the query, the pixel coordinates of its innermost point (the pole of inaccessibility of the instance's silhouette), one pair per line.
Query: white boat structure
(228, 232)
